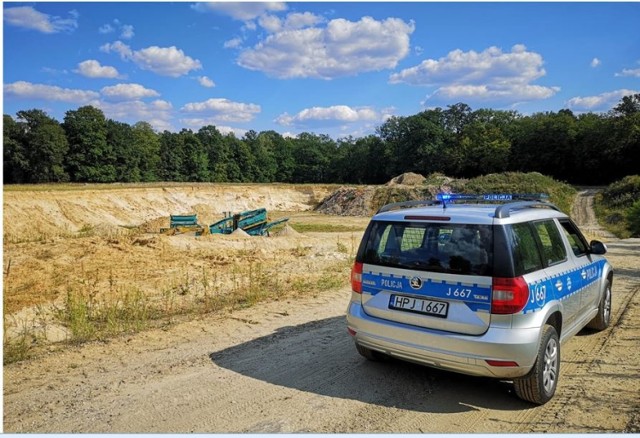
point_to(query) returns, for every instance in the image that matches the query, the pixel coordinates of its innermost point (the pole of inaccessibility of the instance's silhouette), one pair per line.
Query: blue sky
(331, 68)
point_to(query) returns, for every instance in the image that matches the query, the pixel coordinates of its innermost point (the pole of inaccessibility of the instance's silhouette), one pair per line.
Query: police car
(487, 289)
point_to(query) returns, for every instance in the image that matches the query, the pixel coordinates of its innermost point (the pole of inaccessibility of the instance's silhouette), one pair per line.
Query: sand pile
(239, 232)
(288, 231)
(407, 179)
(155, 225)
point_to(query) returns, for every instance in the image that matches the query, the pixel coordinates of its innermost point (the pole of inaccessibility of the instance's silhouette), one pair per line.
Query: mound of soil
(349, 201)
(407, 179)
(366, 201)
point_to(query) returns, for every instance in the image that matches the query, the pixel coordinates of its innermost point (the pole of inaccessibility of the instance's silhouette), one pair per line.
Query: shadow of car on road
(319, 357)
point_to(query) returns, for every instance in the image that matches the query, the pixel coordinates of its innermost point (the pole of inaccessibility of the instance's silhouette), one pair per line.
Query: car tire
(540, 384)
(370, 354)
(603, 318)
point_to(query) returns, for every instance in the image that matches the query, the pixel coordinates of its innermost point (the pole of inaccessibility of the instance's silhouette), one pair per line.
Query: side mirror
(597, 247)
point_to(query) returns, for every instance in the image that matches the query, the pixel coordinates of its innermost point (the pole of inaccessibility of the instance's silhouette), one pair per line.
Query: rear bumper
(465, 354)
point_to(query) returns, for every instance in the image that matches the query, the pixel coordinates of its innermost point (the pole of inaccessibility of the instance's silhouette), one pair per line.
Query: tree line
(590, 148)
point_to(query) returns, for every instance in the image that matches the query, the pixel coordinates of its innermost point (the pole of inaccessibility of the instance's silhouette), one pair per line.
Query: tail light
(509, 296)
(356, 277)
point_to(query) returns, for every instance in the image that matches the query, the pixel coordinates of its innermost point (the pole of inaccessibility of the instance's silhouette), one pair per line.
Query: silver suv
(480, 289)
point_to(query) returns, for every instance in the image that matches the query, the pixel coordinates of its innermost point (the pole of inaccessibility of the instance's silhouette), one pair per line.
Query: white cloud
(107, 28)
(270, 23)
(165, 61)
(158, 112)
(92, 69)
(248, 25)
(118, 47)
(127, 32)
(630, 72)
(297, 20)
(53, 71)
(27, 90)
(342, 48)
(293, 21)
(518, 92)
(601, 102)
(233, 43)
(224, 110)
(28, 18)
(595, 62)
(128, 92)
(243, 11)
(334, 114)
(490, 74)
(206, 82)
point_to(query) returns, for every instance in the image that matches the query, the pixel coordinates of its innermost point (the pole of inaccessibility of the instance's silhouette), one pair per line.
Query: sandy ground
(288, 365)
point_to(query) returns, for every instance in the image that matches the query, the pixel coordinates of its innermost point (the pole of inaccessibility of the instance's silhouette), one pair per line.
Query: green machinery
(179, 224)
(253, 222)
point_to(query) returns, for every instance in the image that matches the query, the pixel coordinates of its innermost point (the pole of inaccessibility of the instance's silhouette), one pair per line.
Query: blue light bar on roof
(499, 197)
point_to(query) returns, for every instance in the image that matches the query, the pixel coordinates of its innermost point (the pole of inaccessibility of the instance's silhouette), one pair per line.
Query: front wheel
(540, 384)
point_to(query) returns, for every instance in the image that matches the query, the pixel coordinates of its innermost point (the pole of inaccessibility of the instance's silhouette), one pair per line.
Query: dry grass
(97, 284)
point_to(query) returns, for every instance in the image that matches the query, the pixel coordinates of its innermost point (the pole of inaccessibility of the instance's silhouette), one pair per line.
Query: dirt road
(289, 366)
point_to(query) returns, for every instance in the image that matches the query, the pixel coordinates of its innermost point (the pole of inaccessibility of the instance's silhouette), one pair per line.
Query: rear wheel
(540, 384)
(370, 354)
(603, 318)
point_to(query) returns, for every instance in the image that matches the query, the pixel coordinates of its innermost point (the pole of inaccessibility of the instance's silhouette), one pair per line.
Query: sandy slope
(33, 213)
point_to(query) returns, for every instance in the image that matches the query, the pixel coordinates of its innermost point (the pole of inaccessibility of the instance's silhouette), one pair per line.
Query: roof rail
(504, 211)
(406, 204)
(514, 201)
(491, 197)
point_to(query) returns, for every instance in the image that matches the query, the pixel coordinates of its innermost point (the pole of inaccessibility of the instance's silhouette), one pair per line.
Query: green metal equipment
(253, 222)
(183, 224)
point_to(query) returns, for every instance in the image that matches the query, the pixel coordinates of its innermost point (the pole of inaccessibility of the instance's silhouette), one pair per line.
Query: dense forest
(457, 141)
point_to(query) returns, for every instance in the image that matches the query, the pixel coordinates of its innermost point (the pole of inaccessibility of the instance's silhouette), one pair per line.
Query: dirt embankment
(41, 214)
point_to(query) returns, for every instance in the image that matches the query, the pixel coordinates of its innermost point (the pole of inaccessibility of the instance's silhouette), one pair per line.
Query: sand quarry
(103, 241)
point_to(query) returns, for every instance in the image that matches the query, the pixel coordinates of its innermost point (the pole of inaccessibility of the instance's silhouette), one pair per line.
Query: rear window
(436, 247)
